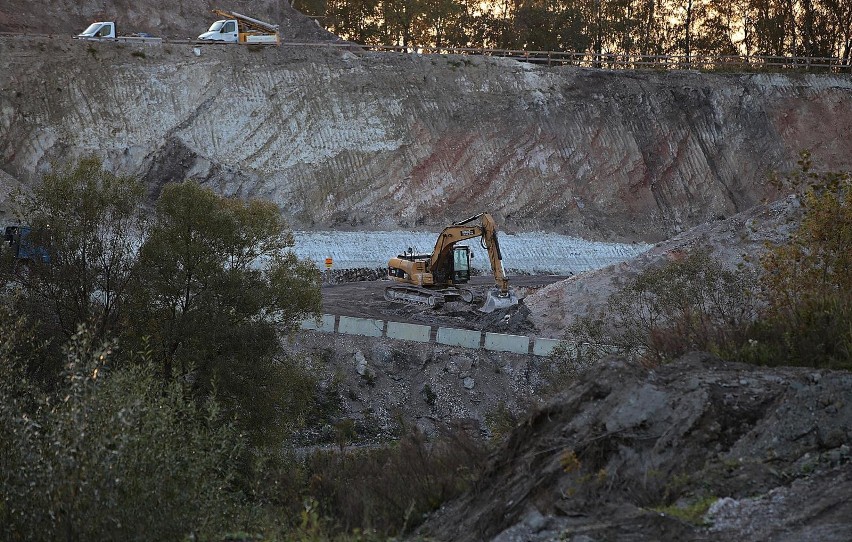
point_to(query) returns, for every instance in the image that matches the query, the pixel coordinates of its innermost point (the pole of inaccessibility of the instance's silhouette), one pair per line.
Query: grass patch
(692, 513)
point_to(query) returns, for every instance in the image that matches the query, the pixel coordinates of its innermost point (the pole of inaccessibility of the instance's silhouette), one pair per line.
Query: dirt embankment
(736, 241)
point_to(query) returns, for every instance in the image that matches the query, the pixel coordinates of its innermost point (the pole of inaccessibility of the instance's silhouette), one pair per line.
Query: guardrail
(615, 61)
(636, 61)
(609, 61)
(464, 338)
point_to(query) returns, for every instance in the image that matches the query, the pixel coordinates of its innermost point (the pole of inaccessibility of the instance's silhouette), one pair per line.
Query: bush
(798, 311)
(389, 490)
(807, 282)
(114, 455)
(89, 221)
(692, 304)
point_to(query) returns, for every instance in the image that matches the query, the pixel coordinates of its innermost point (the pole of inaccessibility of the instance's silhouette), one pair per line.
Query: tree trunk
(791, 17)
(649, 21)
(599, 34)
(688, 27)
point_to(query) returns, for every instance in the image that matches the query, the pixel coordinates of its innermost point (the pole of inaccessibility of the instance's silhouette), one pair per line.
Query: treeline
(782, 28)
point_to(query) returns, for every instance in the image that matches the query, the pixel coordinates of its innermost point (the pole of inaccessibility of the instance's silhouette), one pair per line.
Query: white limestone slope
(523, 252)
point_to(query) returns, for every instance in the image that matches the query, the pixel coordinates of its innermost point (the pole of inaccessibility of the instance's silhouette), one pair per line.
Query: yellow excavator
(433, 279)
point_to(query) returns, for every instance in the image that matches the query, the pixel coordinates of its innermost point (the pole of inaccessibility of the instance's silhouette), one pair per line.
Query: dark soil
(365, 299)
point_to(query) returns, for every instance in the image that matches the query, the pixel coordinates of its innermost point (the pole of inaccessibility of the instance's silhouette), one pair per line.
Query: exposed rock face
(769, 446)
(388, 140)
(379, 383)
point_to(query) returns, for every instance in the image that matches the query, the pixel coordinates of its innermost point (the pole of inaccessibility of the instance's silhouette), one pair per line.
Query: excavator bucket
(494, 300)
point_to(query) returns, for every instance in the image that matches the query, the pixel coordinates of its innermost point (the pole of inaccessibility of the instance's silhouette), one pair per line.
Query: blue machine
(18, 238)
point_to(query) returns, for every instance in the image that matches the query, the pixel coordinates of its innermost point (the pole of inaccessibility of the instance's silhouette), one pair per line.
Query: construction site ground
(365, 299)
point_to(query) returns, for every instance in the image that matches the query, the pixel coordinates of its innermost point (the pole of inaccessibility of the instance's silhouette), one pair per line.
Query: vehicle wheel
(466, 296)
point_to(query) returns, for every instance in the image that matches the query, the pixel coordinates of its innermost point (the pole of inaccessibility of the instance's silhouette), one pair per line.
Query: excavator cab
(461, 264)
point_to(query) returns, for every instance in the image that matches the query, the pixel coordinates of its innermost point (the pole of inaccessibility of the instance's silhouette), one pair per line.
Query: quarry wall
(354, 139)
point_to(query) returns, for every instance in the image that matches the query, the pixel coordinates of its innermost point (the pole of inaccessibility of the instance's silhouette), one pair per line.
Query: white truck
(237, 28)
(105, 31)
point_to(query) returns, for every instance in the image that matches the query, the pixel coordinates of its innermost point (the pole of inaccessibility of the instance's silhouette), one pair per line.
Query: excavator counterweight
(432, 279)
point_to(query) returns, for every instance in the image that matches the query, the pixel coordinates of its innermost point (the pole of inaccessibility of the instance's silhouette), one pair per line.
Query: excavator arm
(486, 230)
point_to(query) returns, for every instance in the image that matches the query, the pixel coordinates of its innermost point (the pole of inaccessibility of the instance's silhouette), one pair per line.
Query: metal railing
(608, 61)
(616, 61)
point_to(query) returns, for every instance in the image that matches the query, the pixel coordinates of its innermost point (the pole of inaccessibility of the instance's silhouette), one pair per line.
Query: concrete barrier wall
(465, 338)
(326, 324)
(409, 332)
(361, 326)
(544, 347)
(458, 337)
(507, 343)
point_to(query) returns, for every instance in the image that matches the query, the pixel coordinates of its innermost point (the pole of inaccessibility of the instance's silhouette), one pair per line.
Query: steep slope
(340, 139)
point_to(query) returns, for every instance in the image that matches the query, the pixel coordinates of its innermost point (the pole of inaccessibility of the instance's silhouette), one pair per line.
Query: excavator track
(424, 296)
(414, 294)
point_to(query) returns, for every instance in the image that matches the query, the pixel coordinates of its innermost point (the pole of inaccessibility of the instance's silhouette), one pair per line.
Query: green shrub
(807, 282)
(388, 490)
(209, 293)
(114, 455)
(695, 303)
(796, 311)
(501, 421)
(693, 513)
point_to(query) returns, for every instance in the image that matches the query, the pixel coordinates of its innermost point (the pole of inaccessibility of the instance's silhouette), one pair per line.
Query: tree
(401, 20)
(356, 20)
(649, 42)
(840, 12)
(90, 221)
(808, 281)
(716, 28)
(217, 286)
(771, 27)
(441, 17)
